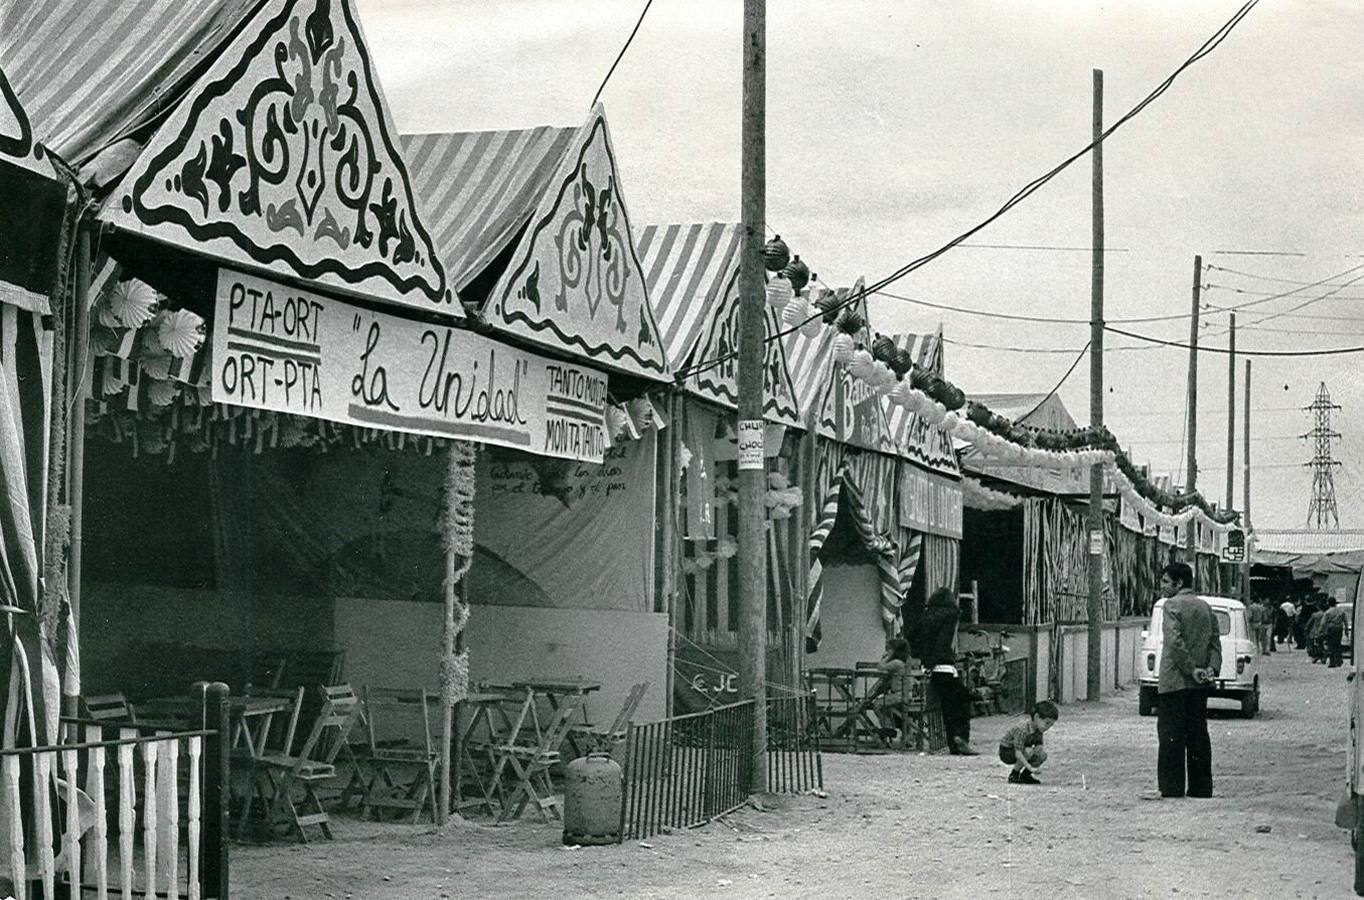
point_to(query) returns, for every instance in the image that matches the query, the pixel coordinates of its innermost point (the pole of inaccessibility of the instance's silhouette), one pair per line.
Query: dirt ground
(910, 825)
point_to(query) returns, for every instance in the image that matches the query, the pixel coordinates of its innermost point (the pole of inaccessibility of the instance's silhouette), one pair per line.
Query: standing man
(1258, 613)
(1190, 658)
(1271, 614)
(1287, 613)
(936, 649)
(1333, 625)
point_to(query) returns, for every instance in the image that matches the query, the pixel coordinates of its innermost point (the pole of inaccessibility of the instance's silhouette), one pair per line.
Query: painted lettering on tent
(717, 365)
(575, 281)
(283, 157)
(853, 413)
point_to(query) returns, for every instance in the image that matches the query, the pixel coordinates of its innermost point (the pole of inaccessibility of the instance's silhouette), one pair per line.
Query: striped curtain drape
(941, 561)
(842, 493)
(26, 349)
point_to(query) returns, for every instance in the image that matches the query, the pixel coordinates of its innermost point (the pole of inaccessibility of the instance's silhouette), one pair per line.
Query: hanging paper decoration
(181, 332)
(161, 393)
(843, 347)
(133, 303)
(776, 254)
(779, 292)
(797, 272)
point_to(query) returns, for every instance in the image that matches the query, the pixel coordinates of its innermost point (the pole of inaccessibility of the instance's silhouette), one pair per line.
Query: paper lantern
(883, 348)
(776, 254)
(779, 292)
(797, 272)
(796, 312)
(814, 325)
(850, 321)
(901, 394)
(843, 347)
(861, 365)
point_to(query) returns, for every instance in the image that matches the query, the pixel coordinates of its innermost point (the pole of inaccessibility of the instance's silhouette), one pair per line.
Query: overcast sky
(893, 126)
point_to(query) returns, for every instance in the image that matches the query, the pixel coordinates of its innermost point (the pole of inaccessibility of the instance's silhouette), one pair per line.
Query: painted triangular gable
(716, 363)
(574, 282)
(852, 412)
(283, 157)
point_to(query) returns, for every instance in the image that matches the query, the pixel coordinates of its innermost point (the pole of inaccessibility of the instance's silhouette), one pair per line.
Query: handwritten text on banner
(280, 348)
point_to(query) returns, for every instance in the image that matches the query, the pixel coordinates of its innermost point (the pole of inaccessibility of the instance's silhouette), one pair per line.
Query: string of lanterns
(804, 303)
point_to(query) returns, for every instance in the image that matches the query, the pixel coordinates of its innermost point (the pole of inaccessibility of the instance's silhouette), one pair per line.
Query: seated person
(887, 695)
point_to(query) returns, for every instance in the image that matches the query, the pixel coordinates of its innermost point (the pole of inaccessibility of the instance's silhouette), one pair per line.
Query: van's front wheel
(1146, 700)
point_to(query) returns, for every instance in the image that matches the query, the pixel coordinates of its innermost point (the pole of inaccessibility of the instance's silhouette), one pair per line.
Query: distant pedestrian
(1191, 656)
(1333, 625)
(1021, 746)
(1271, 618)
(1316, 637)
(1259, 626)
(936, 646)
(1305, 611)
(1287, 614)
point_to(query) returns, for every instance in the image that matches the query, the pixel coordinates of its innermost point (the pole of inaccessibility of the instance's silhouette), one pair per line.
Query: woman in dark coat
(936, 648)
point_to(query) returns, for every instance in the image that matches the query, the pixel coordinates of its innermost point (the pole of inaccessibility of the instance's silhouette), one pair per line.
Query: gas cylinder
(593, 787)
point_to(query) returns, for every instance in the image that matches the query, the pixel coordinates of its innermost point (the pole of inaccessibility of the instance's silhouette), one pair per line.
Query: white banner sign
(283, 349)
(930, 503)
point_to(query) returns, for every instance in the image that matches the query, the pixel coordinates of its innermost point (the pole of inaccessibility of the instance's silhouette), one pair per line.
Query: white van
(1240, 677)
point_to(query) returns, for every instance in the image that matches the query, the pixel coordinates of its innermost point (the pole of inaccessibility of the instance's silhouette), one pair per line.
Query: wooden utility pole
(1191, 482)
(1231, 417)
(1245, 495)
(1094, 670)
(752, 326)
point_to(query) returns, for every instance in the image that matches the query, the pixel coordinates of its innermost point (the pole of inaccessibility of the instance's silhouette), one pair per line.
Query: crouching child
(1021, 746)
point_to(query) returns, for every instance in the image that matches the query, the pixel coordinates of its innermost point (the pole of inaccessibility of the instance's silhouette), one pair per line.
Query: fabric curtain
(25, 389)
(941, 561)
(843, 494)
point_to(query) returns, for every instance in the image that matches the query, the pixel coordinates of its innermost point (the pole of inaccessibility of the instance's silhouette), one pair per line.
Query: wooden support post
(752, 333)
(1191, 480)
(213, 872)
(1094, 669)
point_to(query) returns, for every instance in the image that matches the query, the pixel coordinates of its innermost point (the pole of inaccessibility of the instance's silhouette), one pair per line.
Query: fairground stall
(693, 275)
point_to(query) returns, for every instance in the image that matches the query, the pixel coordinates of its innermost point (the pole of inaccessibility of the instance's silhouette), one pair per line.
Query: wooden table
(482, 705)
(248, 715)
(844, 699)
(553, 690)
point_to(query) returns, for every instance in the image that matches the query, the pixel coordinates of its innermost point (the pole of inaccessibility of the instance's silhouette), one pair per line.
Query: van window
(1223, 621)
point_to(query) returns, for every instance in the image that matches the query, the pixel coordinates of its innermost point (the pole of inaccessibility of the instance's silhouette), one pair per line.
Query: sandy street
(927, 826)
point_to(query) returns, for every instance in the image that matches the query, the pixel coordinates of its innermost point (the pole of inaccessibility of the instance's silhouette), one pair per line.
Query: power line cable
(1017, 317)
(1336, 351)
(1209, 286)
(1262, 277)
(1211, 44)
(621, 54)
(1048, 395)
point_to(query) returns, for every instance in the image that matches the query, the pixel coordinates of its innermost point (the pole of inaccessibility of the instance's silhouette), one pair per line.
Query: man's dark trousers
(955, 702)
(1335, 652)
(1182, 728)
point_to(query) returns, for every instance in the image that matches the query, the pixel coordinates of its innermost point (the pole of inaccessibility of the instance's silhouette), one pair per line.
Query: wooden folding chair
(606, 740)
(530, 764)
(314, 764)
(401, 755)
(109, 708)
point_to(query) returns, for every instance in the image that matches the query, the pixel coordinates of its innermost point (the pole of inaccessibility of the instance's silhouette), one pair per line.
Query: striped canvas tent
(811, 360)
(843, 494)
(90, 72)
(481, 188)
(692, 273)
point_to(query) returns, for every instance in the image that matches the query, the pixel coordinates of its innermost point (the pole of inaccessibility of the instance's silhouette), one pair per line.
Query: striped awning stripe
(686, 269)
(811, 360)
(89, 71)
(927, 352)
(480, 189)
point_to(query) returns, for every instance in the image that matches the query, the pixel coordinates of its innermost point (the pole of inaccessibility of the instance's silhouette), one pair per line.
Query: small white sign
(1096, 543)
(751, 444)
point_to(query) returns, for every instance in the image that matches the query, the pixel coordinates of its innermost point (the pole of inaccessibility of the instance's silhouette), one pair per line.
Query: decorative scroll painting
(716, 361)
(17, 144)
(292, 351)
(575, 282)
(852, 412)
(283, 157)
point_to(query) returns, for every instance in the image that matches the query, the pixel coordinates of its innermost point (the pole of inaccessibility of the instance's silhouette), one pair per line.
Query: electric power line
(621, 55)
(1335, 351)
(1261, 277)
(1047, 396)
(1212, 43)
